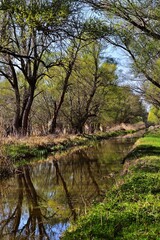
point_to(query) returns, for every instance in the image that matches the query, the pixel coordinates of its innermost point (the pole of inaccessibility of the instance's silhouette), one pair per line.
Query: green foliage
(154, 115)
(89, 84)
(19, 152)
(122, 105)
(38, 14)
(32, 31)
(6, 103)
(96, 28)
(133, 26)
(129, 211)
(131, 208)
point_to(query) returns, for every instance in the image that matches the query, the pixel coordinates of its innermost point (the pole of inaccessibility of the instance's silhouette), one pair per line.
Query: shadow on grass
(142, 151)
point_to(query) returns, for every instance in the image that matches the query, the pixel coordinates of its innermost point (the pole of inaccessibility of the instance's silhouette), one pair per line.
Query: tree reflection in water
(13, 224)
(40, 201)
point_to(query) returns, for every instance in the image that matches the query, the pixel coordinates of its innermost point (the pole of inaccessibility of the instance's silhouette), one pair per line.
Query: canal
(42, 198)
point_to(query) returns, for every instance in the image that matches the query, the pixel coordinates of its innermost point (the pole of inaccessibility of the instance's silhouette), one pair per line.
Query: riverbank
(131, 210)
(20, 151)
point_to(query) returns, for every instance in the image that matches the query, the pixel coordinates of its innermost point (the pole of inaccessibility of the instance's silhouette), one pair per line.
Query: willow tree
(29, 31)
(134, 26)
(89, 84)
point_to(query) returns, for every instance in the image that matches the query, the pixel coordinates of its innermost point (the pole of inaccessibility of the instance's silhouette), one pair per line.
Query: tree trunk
(25, 115)
(52, 125)
(16, 121)
(78, 129)
(53, 122)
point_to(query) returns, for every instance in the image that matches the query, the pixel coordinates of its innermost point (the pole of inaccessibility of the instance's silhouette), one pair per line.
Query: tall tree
(29, 30)
(134, 26)
(65, 72)
(89, 85)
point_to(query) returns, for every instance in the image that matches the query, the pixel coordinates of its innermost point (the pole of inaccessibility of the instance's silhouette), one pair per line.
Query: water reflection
(22, 212)
(41, 199)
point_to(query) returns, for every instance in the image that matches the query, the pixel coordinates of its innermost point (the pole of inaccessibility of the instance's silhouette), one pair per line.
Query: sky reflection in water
(42, 198)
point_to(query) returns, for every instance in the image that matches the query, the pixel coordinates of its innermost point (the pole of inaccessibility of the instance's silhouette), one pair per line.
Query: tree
(31, 29)
(122, 106)
(55, 85)
(65, 73)
(134, 27)
(89, 85)
(154, 115)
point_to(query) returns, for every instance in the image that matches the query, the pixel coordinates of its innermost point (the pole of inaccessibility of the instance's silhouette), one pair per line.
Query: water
(42, 198)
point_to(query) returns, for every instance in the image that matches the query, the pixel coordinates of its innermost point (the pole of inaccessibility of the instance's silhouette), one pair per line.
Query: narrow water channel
(42, 198)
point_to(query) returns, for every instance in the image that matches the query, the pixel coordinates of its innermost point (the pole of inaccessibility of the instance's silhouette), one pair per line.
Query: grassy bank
(20, 151)
(131, 210)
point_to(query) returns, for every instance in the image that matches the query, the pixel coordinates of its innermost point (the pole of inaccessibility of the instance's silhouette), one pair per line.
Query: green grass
(131, 209)
(18, 152)
(152, 141)
(149, 145)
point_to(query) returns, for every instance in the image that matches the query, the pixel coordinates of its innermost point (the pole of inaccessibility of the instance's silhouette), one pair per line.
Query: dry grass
(38, 140)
